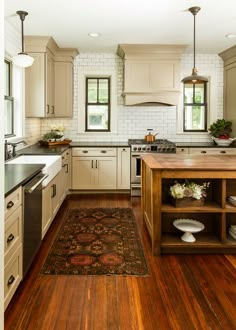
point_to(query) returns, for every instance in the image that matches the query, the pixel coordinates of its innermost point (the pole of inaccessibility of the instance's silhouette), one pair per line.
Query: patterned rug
(98, 241)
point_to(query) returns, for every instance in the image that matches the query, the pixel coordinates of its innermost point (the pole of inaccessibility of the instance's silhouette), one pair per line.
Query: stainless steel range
(138, 147)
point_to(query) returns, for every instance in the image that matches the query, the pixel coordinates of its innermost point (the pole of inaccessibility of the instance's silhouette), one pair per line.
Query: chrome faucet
(12, 153)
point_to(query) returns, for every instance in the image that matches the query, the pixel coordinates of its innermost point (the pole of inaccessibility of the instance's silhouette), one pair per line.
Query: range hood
(151, 73)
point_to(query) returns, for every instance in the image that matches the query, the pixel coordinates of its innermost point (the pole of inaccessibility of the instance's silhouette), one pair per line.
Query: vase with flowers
(188, 193)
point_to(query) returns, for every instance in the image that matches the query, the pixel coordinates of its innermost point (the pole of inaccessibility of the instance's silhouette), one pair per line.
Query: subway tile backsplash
(132, 121)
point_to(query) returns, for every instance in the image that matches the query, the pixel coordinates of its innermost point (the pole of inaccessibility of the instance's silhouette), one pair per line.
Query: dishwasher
(32, 219)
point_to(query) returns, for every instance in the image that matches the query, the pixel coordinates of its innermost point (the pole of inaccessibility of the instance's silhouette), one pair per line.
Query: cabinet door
(230, 95)
(57, 192)
(82, 172)
(50, 86)
(46, 209)
(35, 87)
(63, 89)
(105, 173)
(123, 168)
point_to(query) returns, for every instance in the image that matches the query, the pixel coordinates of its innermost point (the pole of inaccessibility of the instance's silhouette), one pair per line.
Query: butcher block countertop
(190, 162)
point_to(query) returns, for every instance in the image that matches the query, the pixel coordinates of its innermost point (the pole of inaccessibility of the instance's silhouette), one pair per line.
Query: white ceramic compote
(188, 226)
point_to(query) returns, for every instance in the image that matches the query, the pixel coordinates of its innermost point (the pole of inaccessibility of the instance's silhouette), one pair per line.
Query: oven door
(135, 168)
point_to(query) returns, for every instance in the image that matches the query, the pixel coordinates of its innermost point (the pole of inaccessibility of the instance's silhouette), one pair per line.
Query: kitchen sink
(52, 164)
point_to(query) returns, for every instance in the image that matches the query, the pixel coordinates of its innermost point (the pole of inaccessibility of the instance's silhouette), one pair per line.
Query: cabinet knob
(10, 238)
(10, 204)
(11, 280)
(203, 152)
(85, 151)
(103, 151)
(223, 152)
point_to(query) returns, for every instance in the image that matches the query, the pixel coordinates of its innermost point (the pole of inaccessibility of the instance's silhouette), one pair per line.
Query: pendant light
(22, 59)
(194, 78)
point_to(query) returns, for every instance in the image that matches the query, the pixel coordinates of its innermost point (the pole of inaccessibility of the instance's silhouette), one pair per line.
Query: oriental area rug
(97, 241)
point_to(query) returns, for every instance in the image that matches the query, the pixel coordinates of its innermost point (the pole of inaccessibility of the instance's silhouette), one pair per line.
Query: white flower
(189, 189)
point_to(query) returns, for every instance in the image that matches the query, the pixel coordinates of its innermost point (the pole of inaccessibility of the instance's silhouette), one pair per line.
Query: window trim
(97, 103)
(10, 98)
(205, 104)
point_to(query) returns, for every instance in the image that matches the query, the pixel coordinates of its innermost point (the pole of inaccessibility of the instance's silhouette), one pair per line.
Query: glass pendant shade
(194, 78)
(22, 59)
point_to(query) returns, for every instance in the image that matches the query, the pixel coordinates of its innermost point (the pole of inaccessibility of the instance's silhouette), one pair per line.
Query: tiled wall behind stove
(134, 120)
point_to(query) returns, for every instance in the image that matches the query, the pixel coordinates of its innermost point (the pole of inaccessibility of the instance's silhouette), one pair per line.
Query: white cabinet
(123, 168)
(212, 151)
(229, 58)
(94, 168)
(52, 197)
(39, 91)
(12, 244)
(63, 89)
(49, 81)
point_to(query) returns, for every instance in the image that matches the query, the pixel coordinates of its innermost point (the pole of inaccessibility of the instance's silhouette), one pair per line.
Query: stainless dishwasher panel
(32, 219)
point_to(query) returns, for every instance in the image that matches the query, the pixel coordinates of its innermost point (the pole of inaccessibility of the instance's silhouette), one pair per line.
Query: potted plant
(188, 193)
(220, 131)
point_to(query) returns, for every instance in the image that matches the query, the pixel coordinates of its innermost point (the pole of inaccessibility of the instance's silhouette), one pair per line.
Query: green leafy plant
(221, 129)
(52, 136)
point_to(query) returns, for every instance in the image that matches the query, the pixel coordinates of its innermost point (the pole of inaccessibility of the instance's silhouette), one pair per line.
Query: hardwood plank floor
(182, 292)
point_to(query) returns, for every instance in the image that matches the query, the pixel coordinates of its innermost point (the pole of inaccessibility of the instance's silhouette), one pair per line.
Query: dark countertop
(18, 174)
(201, 145)
(37, 149)
(99, 144)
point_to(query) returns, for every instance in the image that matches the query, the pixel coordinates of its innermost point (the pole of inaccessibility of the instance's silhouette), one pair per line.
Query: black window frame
(10, 98)
(196, 104)
(98, 104)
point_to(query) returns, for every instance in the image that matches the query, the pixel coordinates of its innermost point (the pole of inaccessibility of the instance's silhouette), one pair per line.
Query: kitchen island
(159, 172)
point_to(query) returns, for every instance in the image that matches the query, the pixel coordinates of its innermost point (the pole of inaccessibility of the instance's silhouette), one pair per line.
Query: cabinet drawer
(13, 233)
(212, 151)
(13, 201)
(106, 152)
(12, 275)
(65, 156)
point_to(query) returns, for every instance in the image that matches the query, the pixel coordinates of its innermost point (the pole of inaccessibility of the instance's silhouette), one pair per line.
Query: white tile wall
(134, 120)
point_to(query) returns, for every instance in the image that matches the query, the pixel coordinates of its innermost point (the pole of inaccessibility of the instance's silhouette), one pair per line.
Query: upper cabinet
(49, 81)
(151, 73)
(229, 58)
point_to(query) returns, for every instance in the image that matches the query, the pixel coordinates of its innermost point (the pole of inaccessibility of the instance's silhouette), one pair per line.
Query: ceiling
(127, 22)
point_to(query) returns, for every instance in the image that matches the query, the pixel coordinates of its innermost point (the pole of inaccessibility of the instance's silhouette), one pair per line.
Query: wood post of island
(159, 172)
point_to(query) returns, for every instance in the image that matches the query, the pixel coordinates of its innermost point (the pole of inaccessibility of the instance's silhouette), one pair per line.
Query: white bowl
(223, 142)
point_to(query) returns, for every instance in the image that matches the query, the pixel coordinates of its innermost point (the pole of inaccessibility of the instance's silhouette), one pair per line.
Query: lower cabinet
(51, 201)
(94, 173)
(95, 168)
(208, 151)
(12, 244)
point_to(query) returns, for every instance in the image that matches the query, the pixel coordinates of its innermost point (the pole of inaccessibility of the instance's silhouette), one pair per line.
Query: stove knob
(143, 148)
(135, 148)
(148, 148)
(139, 148)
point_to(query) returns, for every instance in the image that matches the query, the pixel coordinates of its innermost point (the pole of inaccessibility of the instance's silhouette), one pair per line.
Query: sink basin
(52, 164)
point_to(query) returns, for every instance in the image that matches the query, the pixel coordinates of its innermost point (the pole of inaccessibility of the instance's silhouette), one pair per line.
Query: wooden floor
(182, 292)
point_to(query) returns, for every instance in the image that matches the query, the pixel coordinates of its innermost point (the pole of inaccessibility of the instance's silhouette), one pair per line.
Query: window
(97, 110)
(8, 101)
(195, 107)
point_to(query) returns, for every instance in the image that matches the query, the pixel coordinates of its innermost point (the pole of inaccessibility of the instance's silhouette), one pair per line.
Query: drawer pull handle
(10, 204)
(103, 151)
(223, 152)
(10, 238)
(85, 151)
(203, 152)
(11, 280)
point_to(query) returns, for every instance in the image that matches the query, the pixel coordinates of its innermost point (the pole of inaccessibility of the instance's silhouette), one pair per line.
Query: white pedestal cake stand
(188, 226)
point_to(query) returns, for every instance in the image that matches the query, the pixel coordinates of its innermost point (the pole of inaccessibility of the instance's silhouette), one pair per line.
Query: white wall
(134, 120)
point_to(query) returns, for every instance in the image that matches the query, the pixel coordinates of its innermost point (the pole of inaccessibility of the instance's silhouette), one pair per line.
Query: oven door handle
(136, 156)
